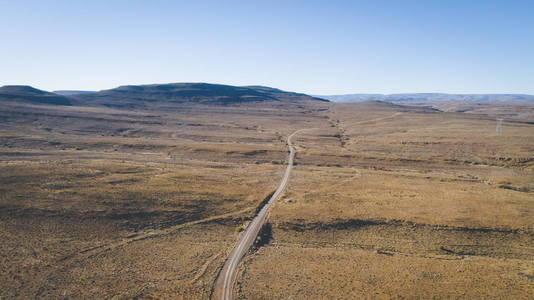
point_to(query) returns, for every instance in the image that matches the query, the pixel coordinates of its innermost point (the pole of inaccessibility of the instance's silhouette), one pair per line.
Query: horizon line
(283, 89)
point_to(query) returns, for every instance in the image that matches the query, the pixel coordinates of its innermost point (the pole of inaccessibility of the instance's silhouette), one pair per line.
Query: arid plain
(385, 201)
(402, 202)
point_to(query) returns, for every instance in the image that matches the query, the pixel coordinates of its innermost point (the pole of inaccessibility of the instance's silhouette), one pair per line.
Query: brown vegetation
(402, 202)
(103, 203)
(385, 201)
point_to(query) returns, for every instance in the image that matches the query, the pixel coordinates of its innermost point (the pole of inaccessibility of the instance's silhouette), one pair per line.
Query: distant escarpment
(434, 97)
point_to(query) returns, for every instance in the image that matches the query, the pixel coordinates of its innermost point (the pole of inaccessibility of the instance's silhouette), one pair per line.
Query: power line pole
(498, 129)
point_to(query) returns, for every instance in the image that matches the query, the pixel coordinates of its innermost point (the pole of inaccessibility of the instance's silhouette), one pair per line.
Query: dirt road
(224, 283)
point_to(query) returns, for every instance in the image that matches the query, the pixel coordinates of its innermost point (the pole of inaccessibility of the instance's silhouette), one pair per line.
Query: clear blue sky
(319, 47)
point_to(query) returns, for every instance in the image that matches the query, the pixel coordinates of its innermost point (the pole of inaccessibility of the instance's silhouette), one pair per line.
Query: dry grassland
(396, 202)
(510, 111)
(337, 273)
(385, 201)
(107, 203)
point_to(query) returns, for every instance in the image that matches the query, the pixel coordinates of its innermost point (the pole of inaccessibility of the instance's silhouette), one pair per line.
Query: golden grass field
(106, 203)
(385, 201)
(412, 203)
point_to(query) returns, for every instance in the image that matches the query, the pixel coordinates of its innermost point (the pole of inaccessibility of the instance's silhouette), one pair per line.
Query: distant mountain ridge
(28, 94)
(429, 97)
(203, 93)
(142, 95)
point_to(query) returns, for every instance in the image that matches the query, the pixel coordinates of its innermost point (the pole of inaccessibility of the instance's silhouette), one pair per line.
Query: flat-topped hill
(203, 93)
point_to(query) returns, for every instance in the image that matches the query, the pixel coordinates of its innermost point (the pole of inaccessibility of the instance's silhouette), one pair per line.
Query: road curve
(224, 283)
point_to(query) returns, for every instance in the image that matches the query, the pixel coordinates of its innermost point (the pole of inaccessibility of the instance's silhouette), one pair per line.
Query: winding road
(224, 283)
